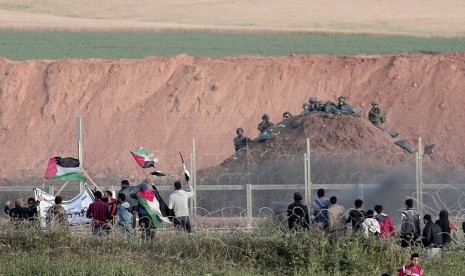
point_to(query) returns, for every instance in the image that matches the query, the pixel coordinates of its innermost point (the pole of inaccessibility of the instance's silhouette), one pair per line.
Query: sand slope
(162, 103)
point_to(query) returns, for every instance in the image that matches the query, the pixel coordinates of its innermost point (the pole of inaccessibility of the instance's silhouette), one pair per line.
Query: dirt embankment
(162, 103)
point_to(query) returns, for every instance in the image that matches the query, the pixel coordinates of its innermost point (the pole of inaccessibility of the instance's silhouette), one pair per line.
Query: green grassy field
(82, 45)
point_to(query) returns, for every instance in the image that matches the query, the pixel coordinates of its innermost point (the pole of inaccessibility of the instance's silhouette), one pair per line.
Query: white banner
(76, 207)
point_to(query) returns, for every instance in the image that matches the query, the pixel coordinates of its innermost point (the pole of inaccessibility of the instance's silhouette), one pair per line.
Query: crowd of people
(106, 212)
(327, 215)
(376, 115)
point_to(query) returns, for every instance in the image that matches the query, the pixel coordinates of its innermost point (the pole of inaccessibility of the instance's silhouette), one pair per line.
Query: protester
(20, 211)
(146, 222)
(385, 223)
(127, 190)
(445, 225)
(124, 214)
(297, 214)
(57, 217)
(432, 237)
(178, 202)
(111, 202)
(413, 268)
(336, 218)
(320, 209)
(356, 216)
(32, 206)
(410, 225)
(370, 225)
(99, 213)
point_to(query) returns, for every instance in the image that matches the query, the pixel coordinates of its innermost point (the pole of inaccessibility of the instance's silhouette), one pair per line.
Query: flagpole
(79, 143)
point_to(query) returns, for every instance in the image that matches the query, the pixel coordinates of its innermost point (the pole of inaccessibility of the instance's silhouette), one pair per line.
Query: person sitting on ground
(385, 223)
(370, 225)
(57, 217)
(241, 141)
(336, 215)
(345, 108)
(320, 209)
(431, 237)
(377, 117)
(286, 115)
(356, 216)
(264, 127)
(445, 225)
(413, 268)
(124, 214)
(297, 214)
(304, 109)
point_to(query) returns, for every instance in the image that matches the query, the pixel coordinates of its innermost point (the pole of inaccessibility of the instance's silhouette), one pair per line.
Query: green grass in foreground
(269, 250)
(83, 45)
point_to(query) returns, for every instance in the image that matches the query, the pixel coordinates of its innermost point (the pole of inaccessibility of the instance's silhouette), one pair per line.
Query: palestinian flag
(149, 202)
(65, 169)
(142, 158)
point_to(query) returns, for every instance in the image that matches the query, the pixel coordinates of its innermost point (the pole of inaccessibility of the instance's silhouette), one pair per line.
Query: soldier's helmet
(321, 103)
(374, 102)
(312, 100)
(341, 99)
(305, 105)
(239, 129)
(265, 116)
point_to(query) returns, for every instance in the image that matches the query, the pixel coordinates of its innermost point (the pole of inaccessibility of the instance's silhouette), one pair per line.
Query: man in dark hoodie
(297, 213)
(432, 237)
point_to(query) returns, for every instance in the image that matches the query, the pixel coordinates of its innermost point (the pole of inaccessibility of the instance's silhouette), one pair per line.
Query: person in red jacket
(413, 268)
(385, 223)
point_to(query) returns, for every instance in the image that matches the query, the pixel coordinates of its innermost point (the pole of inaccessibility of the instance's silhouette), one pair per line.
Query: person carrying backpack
(410, 225)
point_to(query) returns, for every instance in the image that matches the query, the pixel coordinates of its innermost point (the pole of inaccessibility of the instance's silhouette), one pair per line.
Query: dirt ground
(163, 103)
(416, 17)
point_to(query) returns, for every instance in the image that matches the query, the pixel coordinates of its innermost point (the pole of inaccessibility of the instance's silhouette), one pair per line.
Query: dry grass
(416, 17)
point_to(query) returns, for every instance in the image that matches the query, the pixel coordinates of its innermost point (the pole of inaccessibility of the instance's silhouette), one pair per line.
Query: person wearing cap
(145, 221)
(377, 116)
(345, 108)
(264, 127)
(297, 214)
(286, 115)
(304, 109)
(241, 141)
(312, 106)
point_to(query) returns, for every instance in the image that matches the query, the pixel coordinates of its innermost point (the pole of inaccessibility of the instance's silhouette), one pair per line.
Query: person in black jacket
(20, 212)
(444, 223)
(297, 213)
(432, 237)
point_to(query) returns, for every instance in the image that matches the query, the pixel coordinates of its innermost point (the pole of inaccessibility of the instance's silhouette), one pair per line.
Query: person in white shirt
(178, 202)
(370, 225)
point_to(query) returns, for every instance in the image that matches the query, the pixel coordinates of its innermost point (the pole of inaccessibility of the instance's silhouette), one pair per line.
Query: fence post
(193, 204)
(51, 190)
(79, 144)
(309, 173)
(307, 194)
(419, 175)
(249, 205)
(360, 191)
